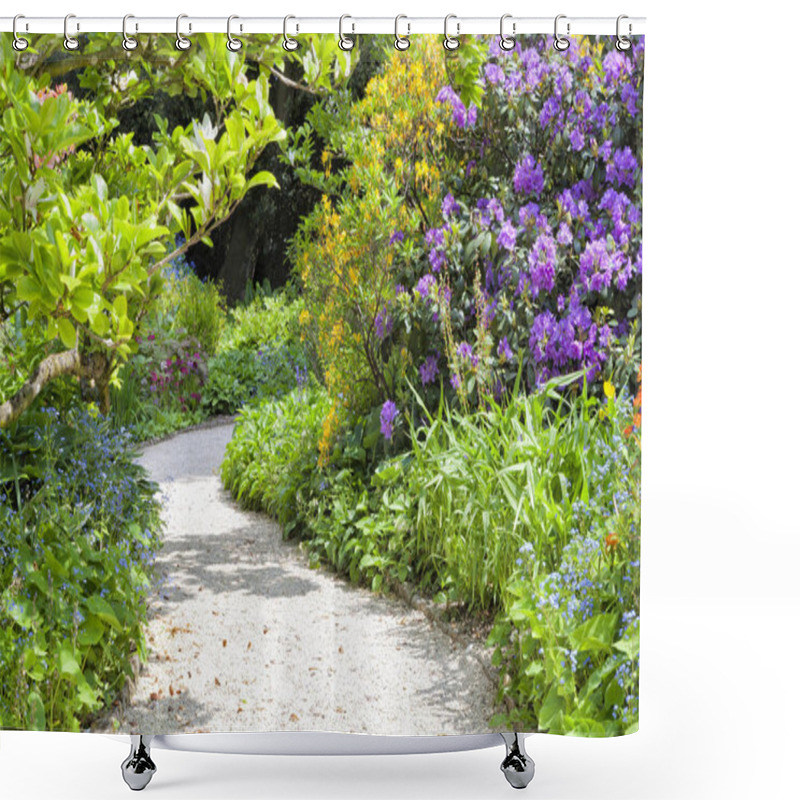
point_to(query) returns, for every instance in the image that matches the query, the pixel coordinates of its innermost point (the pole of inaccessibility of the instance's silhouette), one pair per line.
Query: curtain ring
(401, 42)
(345, 42)
(507, 42)
(18, 43)
(289, 44)
(451, 42)
(128, 42)
(181, 42)
(623, 43)
(234, 45)
(70, 42)
(560, 43)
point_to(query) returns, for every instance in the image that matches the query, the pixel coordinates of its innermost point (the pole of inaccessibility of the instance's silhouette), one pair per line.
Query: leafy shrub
(237, 377)
(270, 462)
(568, 638)
(268, 320)
(192, 307)
(501, 199)
(80, 529)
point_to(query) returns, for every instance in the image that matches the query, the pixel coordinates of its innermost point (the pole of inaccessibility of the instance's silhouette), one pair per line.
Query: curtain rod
(634, 26)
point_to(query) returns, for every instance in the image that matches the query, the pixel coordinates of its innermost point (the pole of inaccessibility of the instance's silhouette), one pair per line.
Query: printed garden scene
(320, 386)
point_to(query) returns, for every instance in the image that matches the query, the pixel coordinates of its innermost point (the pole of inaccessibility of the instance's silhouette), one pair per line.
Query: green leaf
(263, 178)
(66, 332)
(67, 663)
(91, 631)
(629, 646)
(552, 709)
(36, 716)
(596, 633)
(97, 605)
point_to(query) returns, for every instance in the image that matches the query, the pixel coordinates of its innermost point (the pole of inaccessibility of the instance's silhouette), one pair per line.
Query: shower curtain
(320, 384)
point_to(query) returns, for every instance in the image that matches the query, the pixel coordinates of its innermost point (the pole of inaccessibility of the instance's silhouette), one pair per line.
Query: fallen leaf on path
(171, 691)
(341, 649)
(266, 630)
(216, 682)
(294, 718)
(249, 645)
(224, 642)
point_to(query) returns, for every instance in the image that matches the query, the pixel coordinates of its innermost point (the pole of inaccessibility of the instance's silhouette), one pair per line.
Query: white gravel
(244, 636)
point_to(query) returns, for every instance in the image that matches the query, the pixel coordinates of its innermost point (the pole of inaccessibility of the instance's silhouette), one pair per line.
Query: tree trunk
(49, 368)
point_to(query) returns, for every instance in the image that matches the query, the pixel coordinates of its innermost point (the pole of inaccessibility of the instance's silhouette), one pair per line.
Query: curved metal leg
(517, 766)
(138, 768)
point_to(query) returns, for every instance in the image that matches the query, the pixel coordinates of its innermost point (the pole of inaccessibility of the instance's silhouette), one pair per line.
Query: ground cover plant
(80, 530)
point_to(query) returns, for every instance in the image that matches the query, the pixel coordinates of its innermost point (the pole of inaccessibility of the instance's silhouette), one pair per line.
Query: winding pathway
(244, 636)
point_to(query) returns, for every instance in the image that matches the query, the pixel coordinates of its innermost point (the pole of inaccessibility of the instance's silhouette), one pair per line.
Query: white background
(720, 599)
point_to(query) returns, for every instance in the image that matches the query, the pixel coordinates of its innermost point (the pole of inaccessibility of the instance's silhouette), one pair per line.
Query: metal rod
(253, 25)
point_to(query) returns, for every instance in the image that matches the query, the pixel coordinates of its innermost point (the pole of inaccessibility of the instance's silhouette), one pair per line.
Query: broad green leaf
(66, 332)
(101, 607)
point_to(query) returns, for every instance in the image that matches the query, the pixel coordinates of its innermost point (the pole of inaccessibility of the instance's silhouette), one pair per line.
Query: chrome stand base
(138, 768)
(518, 766)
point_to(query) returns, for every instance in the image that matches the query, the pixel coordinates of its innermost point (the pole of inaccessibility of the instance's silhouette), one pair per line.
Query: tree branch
(49, 368)
(290, 83)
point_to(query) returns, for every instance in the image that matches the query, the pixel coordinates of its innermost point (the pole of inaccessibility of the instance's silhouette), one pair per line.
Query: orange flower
(612, 540)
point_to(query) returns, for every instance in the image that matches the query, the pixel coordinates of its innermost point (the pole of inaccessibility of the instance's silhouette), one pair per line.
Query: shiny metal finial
(138, 768)
(517, 766)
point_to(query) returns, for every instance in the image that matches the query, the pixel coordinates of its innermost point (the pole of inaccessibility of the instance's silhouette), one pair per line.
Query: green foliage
(270, 463)
(194, 307)
(80, 527)
(267, 320)
(84, 213)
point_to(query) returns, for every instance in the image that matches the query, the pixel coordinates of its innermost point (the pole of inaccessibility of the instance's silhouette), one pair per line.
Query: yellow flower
(609, 390)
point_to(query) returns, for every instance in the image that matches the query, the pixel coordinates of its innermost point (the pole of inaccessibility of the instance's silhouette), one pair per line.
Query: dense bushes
(80, 527)
(472, 278)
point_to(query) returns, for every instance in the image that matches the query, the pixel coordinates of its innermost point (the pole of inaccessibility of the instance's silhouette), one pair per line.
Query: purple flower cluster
(383, 323)
(528, 176)
(429, 369)
(389, 413)
(462, 116)
(561, 200)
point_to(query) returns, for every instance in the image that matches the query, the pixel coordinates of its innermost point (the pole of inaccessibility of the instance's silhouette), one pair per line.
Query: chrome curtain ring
(345, 42)
(70, 42)
(507, 42)
(234, 45)
(560, 43)
(451, 42)
(18, 43)
(289, 44)
(181, 42)
(128, 42)
(401, 42)
(623, 43)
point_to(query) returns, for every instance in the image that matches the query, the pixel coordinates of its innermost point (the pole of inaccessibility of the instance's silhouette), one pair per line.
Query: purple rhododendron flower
(542, 260)
(493, 73)
(464, 351)
(389, 413)
(450, 206)
(425, 284)
(461, 117)
(622, 169)
(383, 323)
(595, 266)
(503, 350)
(576, 140)
(564, 235)
(616, 67)
(550, 110)
(528, 176)
(397, 236)
(507, 237)
(428, 370)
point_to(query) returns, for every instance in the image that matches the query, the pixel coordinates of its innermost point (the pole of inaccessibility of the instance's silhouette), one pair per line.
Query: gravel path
(244, 636)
